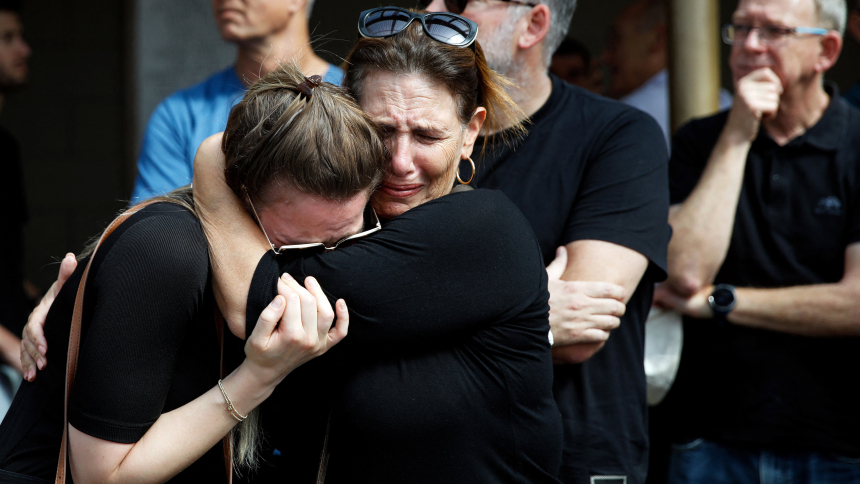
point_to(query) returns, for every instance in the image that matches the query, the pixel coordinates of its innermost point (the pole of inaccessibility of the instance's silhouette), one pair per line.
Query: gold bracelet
(230, 408)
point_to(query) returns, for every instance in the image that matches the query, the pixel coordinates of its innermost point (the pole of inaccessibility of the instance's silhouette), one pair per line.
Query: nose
(436, 6)
(401, 156)
(25, 49)
(753, 40)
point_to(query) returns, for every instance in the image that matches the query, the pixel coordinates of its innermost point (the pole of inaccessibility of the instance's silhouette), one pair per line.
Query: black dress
(446, 374)
(148, 346)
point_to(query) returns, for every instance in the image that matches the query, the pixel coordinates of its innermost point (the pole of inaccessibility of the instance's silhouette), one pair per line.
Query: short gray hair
(832, 14)
(561, 11)
(309, 8)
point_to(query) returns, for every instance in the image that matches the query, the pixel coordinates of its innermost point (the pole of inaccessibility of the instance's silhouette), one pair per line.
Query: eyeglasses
(441, 26)
(319, 247)
(769, 35)
(457, 6)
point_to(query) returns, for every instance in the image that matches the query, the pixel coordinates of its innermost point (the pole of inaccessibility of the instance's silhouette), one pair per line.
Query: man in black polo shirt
(590, 175)
(765, 261)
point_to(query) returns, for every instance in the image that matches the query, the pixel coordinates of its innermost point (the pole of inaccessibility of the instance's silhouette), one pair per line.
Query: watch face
(723, 298)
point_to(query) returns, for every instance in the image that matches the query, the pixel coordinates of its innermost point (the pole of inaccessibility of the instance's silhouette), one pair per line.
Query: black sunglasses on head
(441, 26)
(457, 6)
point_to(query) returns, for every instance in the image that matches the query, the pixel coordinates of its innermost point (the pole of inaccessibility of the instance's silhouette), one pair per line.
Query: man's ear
(831, 46)
(539, 19)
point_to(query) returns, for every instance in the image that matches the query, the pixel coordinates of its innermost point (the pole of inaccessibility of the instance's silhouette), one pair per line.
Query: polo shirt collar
(830, 129)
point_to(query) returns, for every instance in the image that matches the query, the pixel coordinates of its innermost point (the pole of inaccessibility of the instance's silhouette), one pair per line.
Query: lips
(400, 190)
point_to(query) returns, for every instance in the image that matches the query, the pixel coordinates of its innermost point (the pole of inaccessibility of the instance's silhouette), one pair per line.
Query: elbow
(686, 284)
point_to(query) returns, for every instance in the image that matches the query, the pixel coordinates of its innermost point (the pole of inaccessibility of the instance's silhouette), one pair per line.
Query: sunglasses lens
(385, 22)
(448, 29)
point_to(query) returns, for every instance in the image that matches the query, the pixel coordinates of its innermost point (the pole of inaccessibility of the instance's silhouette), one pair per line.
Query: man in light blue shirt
(265, 32)
(636, 56)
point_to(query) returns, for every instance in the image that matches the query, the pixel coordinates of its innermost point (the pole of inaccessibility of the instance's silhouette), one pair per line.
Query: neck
(533, 86)
(799, 109)
(258, 57)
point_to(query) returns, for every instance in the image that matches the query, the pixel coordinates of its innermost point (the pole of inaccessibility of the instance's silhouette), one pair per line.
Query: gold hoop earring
(471, 177)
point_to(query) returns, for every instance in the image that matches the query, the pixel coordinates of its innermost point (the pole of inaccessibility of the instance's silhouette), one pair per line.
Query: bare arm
(814, 310)
(594, 261)
(703, 224)
(236, 244)
(181, 436)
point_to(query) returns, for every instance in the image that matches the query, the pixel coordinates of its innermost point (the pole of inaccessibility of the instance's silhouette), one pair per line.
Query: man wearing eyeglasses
(265, 33)
(765, 260)
(591, 176)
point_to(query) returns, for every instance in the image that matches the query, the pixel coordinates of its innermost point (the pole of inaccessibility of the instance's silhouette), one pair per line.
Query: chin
(230, 32)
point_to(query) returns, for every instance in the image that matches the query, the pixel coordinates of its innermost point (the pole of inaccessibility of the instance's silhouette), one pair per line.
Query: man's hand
(34, 346)
(695, 306)
(581, 313)
(756, 98)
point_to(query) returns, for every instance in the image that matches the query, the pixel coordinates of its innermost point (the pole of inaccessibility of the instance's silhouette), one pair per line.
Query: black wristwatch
(722, 301)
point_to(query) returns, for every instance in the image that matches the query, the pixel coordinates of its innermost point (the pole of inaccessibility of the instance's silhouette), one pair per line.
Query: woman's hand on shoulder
(295, 328)
(34, 346)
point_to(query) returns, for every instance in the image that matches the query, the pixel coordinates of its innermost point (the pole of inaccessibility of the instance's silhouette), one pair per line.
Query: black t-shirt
(445, 375)
(148, 346)
(592, 168)
(14, 306)
(799, 208)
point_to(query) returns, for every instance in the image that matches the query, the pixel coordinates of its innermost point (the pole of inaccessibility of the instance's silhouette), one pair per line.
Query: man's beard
(497, 49)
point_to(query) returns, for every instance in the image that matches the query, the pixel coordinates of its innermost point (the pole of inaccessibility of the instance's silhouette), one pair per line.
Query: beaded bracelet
(230, 408)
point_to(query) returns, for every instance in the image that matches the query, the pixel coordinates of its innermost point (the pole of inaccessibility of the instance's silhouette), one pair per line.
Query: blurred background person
(764, 261)
(572, 63)
(265, 32)
(853, 27)
(14, 304)
(635, 56)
